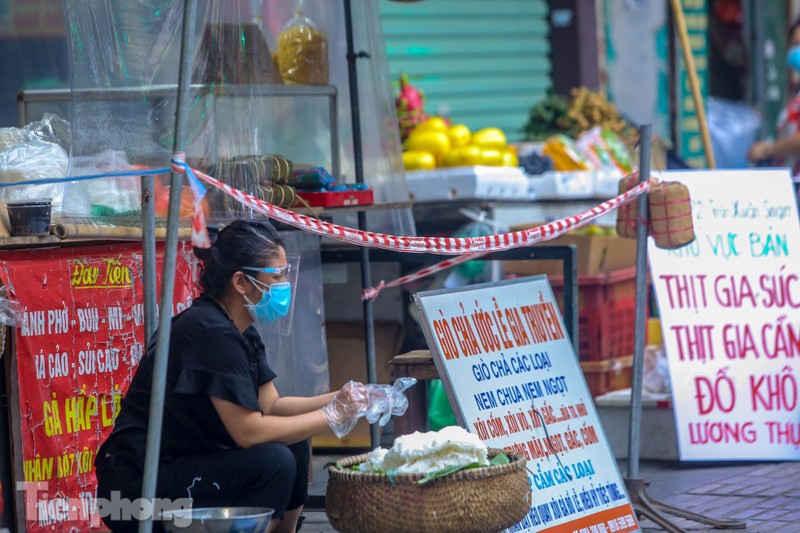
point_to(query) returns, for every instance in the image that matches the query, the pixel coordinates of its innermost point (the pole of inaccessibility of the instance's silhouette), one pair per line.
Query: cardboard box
(608, 375)
(347, 359)
(597, 254)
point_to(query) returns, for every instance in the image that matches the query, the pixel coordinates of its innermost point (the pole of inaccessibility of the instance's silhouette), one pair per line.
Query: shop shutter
(481, 62)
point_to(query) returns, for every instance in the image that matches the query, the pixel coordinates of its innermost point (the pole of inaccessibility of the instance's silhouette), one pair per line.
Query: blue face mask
(793, 58)
(274, 303)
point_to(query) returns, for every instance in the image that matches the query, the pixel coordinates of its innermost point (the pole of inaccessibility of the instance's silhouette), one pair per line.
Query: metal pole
(149, 256)
(570, 269)
(634, 429)
(153, 449)
(366, 274)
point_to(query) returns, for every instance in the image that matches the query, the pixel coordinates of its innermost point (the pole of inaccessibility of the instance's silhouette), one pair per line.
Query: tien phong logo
(105, 273)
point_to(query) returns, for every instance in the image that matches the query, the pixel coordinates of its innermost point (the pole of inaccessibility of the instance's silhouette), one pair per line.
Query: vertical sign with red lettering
(730, 314)
(513, 378)
(80, 338)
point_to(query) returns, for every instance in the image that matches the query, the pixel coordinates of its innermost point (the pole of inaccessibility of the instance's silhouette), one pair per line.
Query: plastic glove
(347, 406)
(386, 401)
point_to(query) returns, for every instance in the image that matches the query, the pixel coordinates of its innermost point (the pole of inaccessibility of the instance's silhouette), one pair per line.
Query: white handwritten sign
(513, 378)
(729, 313)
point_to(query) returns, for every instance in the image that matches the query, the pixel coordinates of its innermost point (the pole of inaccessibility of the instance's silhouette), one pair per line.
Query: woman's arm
(249, 428)
(787, 147)
(271, 403)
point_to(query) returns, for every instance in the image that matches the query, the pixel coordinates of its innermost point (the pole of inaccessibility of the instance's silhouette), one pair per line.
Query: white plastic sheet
(125, 70)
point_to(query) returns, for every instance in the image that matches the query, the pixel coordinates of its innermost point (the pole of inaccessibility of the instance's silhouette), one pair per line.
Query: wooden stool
(416, 364)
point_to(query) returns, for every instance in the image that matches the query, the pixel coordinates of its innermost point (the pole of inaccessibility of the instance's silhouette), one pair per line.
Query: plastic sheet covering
(125, 58)
(300, 359)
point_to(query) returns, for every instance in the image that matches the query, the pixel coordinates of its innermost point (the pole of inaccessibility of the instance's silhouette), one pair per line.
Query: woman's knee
(274, 461)
(301, 451)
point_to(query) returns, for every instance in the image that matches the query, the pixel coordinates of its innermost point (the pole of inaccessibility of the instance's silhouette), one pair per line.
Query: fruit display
(573, 115)
(588, 109)
(535, 164)
(434, 143)
(544, 118)
(410, 107)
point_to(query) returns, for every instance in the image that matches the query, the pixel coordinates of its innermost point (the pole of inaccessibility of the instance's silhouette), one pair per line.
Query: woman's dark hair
(239, 244)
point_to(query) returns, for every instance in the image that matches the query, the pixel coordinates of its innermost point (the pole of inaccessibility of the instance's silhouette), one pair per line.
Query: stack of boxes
(606, 304)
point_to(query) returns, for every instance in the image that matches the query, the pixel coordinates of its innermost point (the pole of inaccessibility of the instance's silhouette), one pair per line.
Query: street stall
(260, 134)
(120, 126)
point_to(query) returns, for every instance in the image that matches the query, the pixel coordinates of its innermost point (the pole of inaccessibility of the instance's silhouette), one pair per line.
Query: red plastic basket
(606, 313)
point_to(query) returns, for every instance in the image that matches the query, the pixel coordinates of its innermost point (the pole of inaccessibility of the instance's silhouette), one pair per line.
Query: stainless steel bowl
(218, 520)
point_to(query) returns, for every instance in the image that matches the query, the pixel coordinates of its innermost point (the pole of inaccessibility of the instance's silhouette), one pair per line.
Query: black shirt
(208, 356)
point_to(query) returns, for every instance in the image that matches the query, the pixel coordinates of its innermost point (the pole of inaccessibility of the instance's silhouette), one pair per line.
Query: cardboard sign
(80, 340)
(729, 313)
(513, 378)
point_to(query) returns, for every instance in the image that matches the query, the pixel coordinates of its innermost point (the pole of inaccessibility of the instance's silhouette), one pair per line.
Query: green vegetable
(446, 472)
(499, 459)
(335, 464)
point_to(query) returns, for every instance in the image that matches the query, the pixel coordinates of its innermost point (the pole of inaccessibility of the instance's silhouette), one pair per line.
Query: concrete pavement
(765, 496)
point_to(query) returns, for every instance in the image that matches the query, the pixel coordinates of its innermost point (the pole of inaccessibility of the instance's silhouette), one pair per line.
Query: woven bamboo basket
(478, 500)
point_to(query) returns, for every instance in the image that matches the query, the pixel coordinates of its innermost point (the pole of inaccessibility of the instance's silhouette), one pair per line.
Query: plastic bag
(378, 403)
(36, 152)
(656, 370)
(440, 414)
(386, 401)
(618, 150)
(733, 127)
(303, 52)
(11, 312)
(33, 159)
(473, 271)
(107, 197)
(593, 147)
(565, 155)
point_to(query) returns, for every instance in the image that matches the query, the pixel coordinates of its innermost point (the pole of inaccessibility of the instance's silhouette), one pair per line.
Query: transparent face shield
(274, 311)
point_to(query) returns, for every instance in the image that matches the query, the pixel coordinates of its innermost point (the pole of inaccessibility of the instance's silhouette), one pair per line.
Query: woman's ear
(239, 282)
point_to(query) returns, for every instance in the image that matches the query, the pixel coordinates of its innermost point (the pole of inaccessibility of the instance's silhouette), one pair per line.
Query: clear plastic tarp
(269, 78)
(270, 88)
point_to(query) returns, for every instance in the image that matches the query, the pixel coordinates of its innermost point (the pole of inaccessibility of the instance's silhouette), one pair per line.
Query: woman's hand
(347, 405)
(760, 151)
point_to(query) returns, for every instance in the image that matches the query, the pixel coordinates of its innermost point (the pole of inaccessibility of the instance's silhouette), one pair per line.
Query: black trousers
(266, 475)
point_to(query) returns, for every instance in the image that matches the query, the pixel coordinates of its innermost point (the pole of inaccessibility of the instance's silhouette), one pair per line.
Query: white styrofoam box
(467, 183)
(578, 185)
(658, 435)
(606, 183)
(561, 186)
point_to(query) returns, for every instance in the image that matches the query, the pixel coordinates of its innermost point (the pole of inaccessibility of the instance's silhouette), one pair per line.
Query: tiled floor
(765, 496)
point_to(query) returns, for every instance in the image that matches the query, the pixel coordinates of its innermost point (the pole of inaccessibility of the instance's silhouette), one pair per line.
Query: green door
(480, 62)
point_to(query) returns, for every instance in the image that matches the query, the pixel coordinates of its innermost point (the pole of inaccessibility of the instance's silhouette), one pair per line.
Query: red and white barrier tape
(467, 248)
(430, 245)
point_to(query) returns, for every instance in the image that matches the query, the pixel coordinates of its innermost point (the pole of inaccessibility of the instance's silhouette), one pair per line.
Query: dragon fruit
(410, 107)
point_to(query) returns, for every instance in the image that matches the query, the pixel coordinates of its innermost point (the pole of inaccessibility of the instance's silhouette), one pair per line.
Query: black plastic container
(31, 217)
